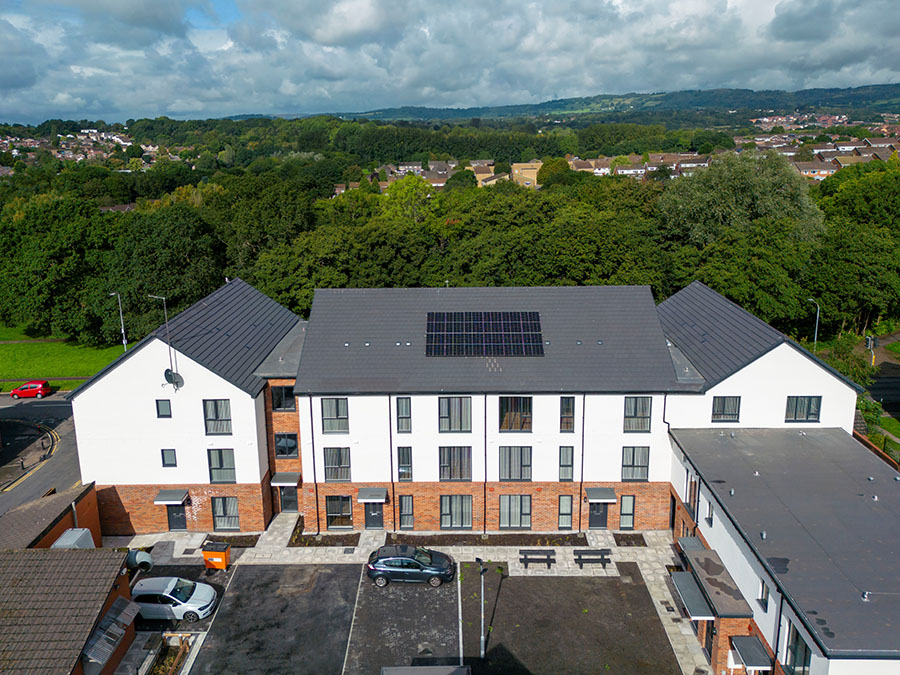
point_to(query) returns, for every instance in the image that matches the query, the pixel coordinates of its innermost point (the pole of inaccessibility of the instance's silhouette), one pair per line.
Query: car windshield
(423, 555)
(183, 590)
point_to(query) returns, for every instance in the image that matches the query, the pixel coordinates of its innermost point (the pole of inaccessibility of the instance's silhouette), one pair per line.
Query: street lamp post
(481, 574)
(816, 334)
(121, 320)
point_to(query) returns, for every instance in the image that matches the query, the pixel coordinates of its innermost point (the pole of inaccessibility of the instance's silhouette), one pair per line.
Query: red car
(33, 389)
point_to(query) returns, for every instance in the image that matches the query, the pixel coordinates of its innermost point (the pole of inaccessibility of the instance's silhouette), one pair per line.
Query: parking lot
(218, 580)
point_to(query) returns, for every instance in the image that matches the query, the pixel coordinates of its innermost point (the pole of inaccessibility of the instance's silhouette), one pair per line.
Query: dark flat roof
(352, 342)
(827, 539)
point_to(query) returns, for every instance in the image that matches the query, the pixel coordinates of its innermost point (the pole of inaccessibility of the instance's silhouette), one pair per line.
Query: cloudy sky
(115, 59)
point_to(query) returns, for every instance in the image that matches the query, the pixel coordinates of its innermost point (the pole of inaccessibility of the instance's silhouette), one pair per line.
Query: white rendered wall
(764, 386)
(120, 438)
(856, 666)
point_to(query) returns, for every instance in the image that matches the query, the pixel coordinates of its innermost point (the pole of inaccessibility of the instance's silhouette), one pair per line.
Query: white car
(173, 598)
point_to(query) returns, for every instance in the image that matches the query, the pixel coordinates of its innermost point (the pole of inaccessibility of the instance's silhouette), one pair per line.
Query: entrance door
(708, 638)
(597, 515)
(672, 513)
(288, 499)
(374, 516)
(177, 517)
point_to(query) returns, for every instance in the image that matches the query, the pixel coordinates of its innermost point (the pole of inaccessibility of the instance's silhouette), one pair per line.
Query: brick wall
(280, 422)
(129, 509)
(88, 516)
(726, 629)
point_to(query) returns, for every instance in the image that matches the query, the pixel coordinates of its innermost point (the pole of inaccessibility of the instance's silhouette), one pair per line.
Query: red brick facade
(286, 422)
(88, 516)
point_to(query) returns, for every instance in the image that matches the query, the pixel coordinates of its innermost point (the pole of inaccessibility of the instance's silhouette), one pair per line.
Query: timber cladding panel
(129, 509)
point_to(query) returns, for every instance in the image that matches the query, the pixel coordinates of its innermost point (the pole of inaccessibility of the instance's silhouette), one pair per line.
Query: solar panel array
(484, 334)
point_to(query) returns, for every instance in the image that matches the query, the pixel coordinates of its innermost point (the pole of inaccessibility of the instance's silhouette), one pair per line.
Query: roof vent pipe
(74, 515)
(763, 535)
(732, 434)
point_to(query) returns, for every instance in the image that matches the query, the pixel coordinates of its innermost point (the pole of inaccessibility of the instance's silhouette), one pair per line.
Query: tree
(502, 167)
(461, 179)
(551, 168)
(135, 164)
(804, 154)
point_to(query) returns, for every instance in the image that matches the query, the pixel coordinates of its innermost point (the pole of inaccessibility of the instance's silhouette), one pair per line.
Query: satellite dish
(173, 378)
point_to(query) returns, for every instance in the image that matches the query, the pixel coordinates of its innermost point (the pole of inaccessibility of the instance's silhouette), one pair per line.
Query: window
(456, 512)
(404, 415)
(225, 513)
(338, 513)
(334, 416)
(404, 464)
(515, 512)
(626, 513)
(802, 408)
(515, 462)
(455, 413)
(726, 409)
(217, 413)
(337, 465)
(567, 413)
(515, 413)
(637, 413)
(763, 598)
(565, 512)
(283, 399)
(163, 407)
(406, 512)
(566, 468)
(456, 463)
(798, 656)
(635, 462)
(221, 465)
(168, 457)
(285, 445)
(710, 512)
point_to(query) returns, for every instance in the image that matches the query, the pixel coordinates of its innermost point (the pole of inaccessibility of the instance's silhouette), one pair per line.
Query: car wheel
(16, 396)
(381, 582)
(191, 617)
(40, 395)
(434, 582)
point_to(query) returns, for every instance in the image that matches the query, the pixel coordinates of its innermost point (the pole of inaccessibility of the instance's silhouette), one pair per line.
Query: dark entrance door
(597, 515)
(708, 638)
(374, 516)
(288, 499)
(672, 513)
(177, 517)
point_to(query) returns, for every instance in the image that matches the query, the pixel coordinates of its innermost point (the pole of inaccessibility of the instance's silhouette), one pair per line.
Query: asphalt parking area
(403, 624)
(564, 624)
(281, 619)
(218, 580)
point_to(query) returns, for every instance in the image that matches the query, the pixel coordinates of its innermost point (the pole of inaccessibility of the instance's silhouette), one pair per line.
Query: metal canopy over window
(692, 597)
(601, 495)
(690, 544)
(171, 497)
(285, 479)
(376, 495)
(751, 652)
(110, 630)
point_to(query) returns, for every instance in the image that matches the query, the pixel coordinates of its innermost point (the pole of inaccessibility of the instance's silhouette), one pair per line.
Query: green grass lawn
(12, 333)
(49, 360)
(889, 424)
(893, 347)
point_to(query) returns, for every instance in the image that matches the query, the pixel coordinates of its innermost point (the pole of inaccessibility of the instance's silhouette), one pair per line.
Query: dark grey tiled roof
(827, 540)
(632, 357)
(718, 337)
(50, 600)
(25, 525)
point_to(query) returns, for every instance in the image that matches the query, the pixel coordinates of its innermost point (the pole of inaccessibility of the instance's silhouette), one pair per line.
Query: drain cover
(349, 550)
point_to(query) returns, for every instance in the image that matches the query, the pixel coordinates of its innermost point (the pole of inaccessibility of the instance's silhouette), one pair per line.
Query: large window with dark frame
(221, 465)
(456, 512)
(455, 463)
(626, 513)
(515, 462)
(337, 465)
(515, 512)
(637, 413)
(285, 446)
(338, 512)
(635, 463)
(455, 413)
(225, 513)
(726, 409)
(404, 415)
(798, 655)
(406, 512)
(565, 512)
(566, 463)
(217, 416)
(335, 419)
(567, 414)
(404, 463)
(515, 413)
(283, 399)
(803, 408)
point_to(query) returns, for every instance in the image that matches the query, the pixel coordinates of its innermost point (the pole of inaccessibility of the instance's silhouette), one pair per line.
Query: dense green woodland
(749, 226)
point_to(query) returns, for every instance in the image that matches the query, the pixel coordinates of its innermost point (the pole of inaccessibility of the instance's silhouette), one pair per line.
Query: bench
(537, 556)
(592, 555)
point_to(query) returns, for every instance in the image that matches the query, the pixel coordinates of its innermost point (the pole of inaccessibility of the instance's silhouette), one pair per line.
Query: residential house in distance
(846, 160)
(815, 170)
(525, 173)
(494, 179)
(482, 172)
(886, 142)
(631, 170)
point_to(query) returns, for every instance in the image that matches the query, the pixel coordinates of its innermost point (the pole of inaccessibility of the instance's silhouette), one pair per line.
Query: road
(61, 470)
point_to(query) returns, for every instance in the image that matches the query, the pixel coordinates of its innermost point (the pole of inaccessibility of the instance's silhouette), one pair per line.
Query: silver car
(174, 598)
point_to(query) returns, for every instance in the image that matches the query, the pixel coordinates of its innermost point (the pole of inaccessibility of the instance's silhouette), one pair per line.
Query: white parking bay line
(459, 604)
(353, 620)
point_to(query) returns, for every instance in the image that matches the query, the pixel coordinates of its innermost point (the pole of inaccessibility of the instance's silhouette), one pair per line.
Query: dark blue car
(409, 563)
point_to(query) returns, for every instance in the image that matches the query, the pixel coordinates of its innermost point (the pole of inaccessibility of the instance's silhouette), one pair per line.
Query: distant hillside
(879, 97)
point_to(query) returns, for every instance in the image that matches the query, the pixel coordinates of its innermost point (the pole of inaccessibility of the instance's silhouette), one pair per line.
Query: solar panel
(483, 334)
